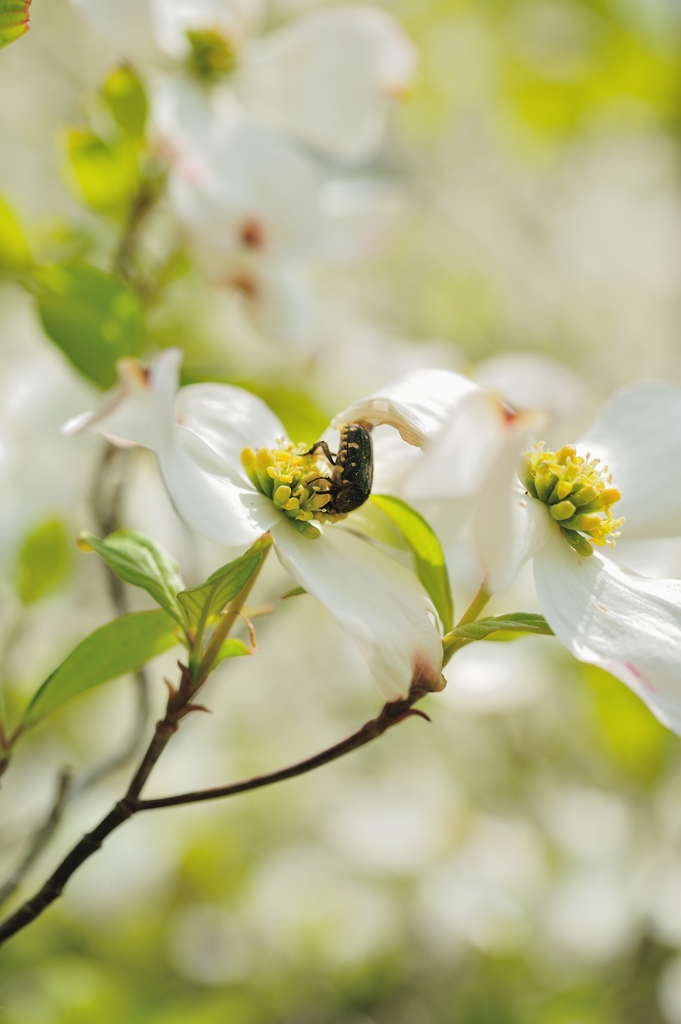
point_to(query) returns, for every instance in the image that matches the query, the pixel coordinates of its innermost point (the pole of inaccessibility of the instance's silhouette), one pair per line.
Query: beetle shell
(353, 473)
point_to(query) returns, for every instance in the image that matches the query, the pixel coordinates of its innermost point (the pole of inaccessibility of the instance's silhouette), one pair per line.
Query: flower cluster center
(578, 492)
(212, 54)
(297, 482)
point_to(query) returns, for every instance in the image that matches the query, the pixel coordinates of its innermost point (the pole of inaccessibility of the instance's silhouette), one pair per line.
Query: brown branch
(391, 714)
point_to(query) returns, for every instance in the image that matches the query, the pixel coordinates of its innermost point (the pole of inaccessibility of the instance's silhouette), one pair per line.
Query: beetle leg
(325, 448)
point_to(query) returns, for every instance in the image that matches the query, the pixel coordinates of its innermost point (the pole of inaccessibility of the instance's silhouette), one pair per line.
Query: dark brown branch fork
(178, 706)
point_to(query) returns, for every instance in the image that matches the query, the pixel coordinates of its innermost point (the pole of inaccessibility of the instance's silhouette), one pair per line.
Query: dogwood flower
(233, 475)
(554, 508)
(327, 79)
(557, 505)
(259, 211)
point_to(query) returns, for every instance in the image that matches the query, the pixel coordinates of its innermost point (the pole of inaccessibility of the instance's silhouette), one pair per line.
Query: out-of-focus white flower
(259, 211)
(604, 614)
(327, 78)
(227, 464)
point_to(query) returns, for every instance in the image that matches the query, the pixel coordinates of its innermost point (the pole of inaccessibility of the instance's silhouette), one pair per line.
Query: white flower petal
(239, 189)
(508, 525)
(380, 604)
(329, 78)
(458, 460)
(228, 419)
(529, 380)
(626, 624)
(419, 405)
(638, 436)
(127, 421)
(209, 496)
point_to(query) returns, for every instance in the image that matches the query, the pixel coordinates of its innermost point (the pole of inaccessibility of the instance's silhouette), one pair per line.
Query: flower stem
(224, 626)
(470, 615)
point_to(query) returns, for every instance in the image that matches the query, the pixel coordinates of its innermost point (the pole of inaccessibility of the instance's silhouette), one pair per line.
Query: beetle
(353, 469)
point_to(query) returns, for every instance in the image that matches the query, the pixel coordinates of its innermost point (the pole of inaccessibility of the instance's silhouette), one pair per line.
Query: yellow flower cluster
(578, 493)
(296, 482)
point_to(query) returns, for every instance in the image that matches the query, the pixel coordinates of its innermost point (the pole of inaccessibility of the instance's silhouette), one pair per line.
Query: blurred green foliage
(44, 560)
(93, 317)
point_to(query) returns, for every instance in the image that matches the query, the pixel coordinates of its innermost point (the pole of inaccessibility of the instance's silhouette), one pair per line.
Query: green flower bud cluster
(294, 480)
(578, 493)
(212, 54)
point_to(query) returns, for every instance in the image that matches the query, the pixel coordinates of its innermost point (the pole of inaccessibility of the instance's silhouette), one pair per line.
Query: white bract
(327, 79)
(260, 212)
(467, 473)
(233, 475)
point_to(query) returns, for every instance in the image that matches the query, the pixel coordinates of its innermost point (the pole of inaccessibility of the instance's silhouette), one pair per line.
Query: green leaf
(106, 176)
(232, 648)
(431, 568)
(15, 255)
(206, 601)
(92, 317)
(14, 20)
(126, 98)
(122, 646)
(138, 560)
(293, 592)
(43, 560)
(499, 627)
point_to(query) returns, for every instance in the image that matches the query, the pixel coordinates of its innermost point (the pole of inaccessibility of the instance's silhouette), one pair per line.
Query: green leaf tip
(498, 627)
(429, 558)
(140, 561)
(14, 20)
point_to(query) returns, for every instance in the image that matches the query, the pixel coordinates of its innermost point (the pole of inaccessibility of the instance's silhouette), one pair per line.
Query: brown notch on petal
(252, 233)
(423, 677)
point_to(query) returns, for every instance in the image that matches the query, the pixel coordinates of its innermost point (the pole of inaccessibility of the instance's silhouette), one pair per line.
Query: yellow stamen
(577, 492)
(297, 483)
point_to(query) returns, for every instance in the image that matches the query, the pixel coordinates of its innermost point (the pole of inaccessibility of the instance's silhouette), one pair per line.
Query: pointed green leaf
(105, 176)
(126, 98)
(431, 568)
(205, 602)
(15, 255)
(92, 317)
(14, 20)
(499, 627)
(232, 648)
(293, 592)
(139, 560)
(43, 560)
(122, 646)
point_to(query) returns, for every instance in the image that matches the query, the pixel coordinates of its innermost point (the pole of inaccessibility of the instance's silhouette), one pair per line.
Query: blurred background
(518, 861)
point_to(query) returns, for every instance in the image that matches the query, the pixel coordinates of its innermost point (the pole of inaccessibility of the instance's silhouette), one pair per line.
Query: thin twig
(391, 714)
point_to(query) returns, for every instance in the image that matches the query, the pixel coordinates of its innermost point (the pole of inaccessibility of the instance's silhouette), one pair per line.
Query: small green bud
(563, 510)
(281, 495)
(576, 541)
